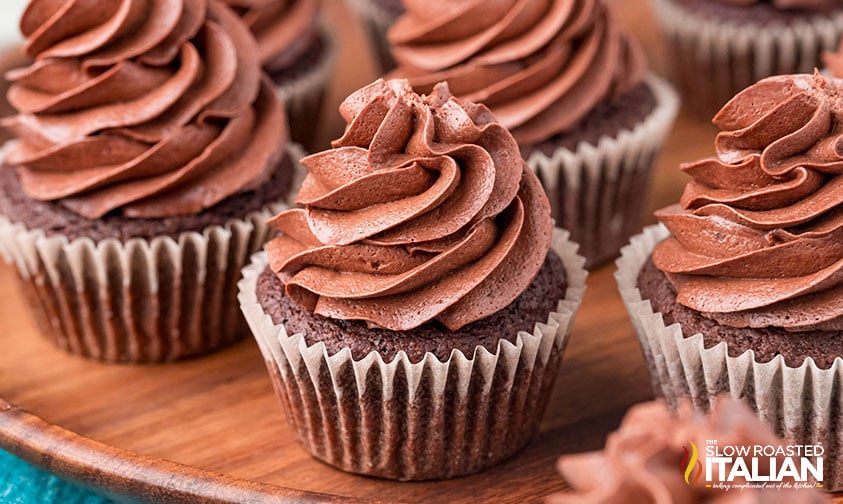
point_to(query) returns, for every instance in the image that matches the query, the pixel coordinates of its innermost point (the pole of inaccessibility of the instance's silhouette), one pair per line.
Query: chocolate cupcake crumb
(532, 306)
(55, 219)
(606, 119)
(767, 343)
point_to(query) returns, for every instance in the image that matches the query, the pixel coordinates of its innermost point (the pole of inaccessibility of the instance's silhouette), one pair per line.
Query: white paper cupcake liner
(802, 404)
(428, 420)
(140, 300)
(597, 191)
(376, 22)
(304, 96)
(714, 59)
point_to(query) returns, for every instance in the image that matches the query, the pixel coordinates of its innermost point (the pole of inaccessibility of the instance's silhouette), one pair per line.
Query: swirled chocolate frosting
(284, 29)
(423, 210)
(645, 459)
(147, 107)
(757, 240)
(818, 5)
(540, 66)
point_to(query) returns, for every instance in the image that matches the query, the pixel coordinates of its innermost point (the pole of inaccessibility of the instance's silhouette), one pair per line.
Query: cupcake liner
(303, 97)
(714, 59)
(140, 300)
(428, 420)
(801, 404)
(376, 22)
(596, 191)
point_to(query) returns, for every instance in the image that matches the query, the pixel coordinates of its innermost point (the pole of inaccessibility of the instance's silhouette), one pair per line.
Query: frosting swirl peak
(758, 238)
(423, 210)
(150, 107)
(540, 66)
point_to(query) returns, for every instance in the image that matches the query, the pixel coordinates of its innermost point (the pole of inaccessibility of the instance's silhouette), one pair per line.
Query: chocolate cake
(149, 151)
(421, 298)
(765, 342)
(605, 120)
(531, 307)
(588, 117)
(739, 290)
(54, 219)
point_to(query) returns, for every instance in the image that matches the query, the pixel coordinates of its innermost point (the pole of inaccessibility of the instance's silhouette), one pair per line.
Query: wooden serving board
(211, 430)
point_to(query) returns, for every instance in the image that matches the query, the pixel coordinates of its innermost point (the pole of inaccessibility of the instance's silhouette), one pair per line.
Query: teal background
(22, 483)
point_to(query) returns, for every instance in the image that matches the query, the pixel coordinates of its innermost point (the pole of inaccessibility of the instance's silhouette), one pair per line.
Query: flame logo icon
(689, 462)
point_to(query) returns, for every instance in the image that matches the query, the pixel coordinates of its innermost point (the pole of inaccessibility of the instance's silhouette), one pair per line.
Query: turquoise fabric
(22, 483)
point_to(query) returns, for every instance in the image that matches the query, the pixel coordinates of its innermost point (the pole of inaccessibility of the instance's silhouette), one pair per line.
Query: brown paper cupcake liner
(596, 192)
(304, 96)
(139, 301)
(428, 420)
(715, 59)
(376, 22)
(802, 404)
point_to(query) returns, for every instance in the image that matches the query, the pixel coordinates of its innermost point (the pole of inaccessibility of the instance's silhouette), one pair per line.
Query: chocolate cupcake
(414, 313)
(740, 289)
(570, 85)
(651, 458)
(297, 52)
(719, 47)
(149, 153)
(377, 16)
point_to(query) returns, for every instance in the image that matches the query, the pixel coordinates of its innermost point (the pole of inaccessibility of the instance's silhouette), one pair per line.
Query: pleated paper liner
(714, 59)
(597, 191)
(138, 301)
(801, 404)
(304, 96)
(428, 420)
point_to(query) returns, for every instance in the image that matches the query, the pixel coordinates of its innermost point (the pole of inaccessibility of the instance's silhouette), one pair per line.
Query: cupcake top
(284, 29)
(757, 239)
(539, 66)
(148, 110)
(423, 210)
(648, 459)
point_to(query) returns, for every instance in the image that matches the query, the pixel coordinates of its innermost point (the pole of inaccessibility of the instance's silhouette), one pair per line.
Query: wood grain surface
(211, 430)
